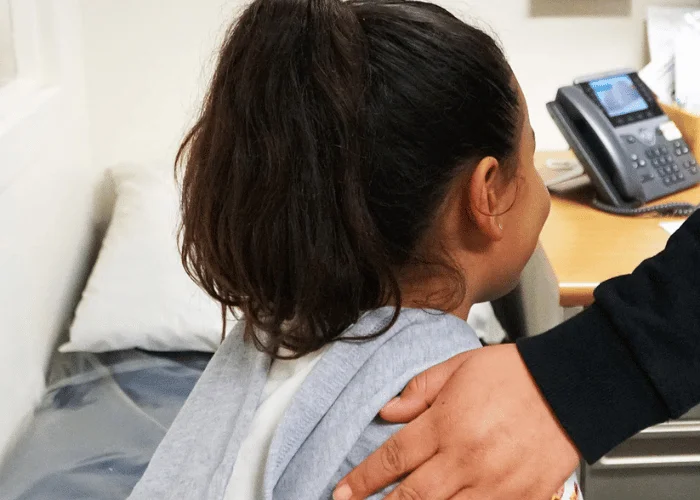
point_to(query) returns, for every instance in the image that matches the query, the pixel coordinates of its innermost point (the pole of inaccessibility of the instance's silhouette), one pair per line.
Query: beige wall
(147, 61)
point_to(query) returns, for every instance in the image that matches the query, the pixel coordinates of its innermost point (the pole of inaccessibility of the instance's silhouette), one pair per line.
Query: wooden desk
(585, 246)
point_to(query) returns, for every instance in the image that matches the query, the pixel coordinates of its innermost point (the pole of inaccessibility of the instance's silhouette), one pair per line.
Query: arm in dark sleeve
(632, 359)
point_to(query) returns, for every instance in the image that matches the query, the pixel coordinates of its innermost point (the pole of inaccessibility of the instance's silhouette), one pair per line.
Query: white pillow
(138, 294)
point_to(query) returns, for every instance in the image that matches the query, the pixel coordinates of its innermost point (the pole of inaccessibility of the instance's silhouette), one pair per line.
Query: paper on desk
(687, 64)
(659, 75)
(671, 227)
(663, 24)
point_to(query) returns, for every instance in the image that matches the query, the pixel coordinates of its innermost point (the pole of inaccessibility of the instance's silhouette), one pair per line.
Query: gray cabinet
(660, 463)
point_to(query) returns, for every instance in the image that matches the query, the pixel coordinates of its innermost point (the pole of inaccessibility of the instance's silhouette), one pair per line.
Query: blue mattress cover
(98, 424)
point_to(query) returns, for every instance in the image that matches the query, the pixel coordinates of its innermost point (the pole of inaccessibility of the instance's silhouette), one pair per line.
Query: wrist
(591, 382)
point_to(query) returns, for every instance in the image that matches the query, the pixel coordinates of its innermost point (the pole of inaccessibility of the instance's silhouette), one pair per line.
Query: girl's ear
(488, 197)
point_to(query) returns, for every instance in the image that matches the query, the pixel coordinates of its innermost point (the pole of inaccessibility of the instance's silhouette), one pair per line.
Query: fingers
(399, 455)
(421, 391)
(430, 481)
(413, 401)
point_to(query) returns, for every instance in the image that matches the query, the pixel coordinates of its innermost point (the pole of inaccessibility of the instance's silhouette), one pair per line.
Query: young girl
(360, 175)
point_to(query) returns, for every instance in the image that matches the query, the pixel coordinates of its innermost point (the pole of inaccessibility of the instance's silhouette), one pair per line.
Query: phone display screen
(618, 95)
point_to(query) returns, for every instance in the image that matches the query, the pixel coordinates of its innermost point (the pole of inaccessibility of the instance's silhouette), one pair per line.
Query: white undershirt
(283, 380)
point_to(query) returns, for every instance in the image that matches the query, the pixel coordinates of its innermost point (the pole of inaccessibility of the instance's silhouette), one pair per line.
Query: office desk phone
(632, 152)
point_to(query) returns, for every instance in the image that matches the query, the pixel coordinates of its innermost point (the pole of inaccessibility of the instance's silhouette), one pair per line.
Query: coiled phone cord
(664, 209)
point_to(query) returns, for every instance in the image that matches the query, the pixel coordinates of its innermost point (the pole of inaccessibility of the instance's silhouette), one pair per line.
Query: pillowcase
(138, 294)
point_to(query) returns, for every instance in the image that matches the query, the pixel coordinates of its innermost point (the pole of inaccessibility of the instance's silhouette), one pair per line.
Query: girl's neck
(437, 292)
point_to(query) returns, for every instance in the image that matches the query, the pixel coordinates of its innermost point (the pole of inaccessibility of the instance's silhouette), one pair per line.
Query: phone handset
(586, 156)
(624, 178)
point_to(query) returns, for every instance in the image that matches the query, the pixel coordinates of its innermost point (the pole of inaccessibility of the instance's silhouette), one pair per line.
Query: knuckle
(391, 458)
(357, 480)
(481, 435)
(418, 388)
(422, 382)
(463, 462)
(414, 385)
(407, 493)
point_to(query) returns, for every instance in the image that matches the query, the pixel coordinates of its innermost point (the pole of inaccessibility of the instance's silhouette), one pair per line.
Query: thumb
(421, 391)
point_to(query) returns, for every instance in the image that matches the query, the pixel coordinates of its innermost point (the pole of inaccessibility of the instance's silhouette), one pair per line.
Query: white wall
(547, 53)
(147, 62)
(46, 190)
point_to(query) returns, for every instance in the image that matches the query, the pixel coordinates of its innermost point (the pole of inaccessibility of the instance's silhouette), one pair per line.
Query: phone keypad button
(664, 151)
(630, 139)
(685, 150)
(669, 158)
(635, 164)
(679, 152)
(693, 170)
(642, 163)
(663, 161)
(667, 170)
(655, 162)
(634, 157)
(667, 181)
(680, 176)
(675, 168)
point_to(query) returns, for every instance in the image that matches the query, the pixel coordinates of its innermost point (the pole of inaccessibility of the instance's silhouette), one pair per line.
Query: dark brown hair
(326, 144)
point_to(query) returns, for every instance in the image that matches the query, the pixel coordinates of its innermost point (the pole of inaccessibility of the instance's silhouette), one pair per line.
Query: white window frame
(31, 85)
(7, 50)
(26, 38)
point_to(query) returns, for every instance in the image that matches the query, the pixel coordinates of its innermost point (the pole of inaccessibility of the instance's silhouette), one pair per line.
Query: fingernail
(392, 403)
(342, 492)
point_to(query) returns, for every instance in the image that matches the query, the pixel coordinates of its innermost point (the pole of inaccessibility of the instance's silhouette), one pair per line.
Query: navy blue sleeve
(633, 358)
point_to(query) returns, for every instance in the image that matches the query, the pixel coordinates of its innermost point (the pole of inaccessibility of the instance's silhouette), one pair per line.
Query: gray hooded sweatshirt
(329, 427)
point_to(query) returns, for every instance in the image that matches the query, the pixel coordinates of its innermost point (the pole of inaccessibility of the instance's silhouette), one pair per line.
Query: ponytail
(275, 221)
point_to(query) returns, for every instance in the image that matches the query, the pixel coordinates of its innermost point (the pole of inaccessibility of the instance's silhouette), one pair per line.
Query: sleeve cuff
(592, 383)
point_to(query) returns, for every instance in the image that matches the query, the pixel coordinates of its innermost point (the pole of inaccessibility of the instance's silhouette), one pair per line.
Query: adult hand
(483, 431)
